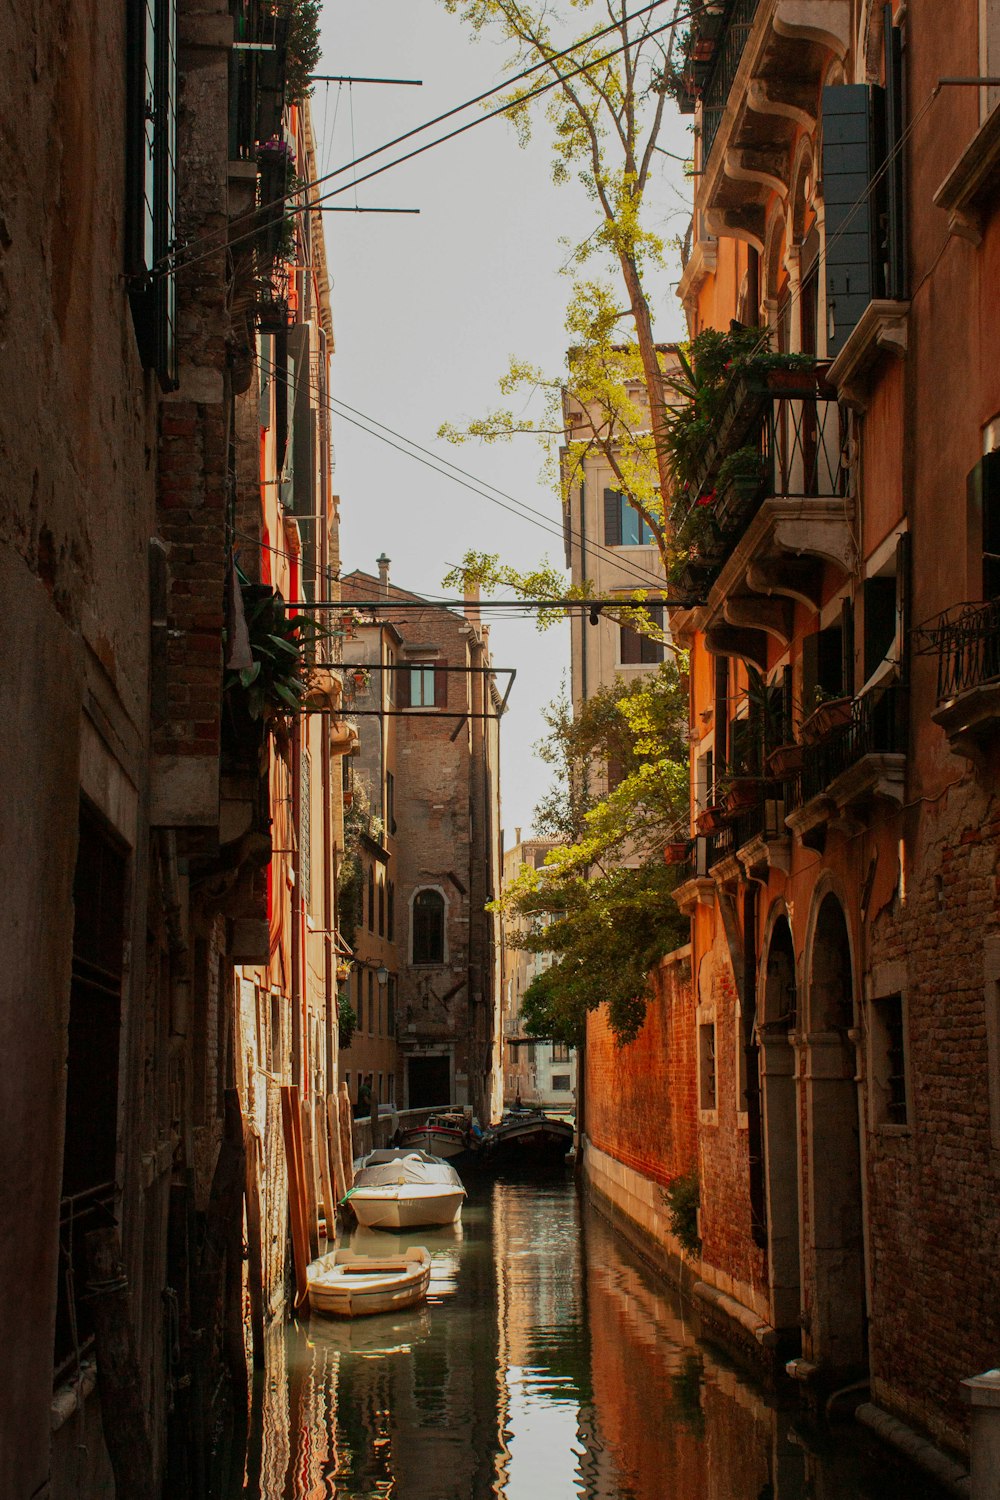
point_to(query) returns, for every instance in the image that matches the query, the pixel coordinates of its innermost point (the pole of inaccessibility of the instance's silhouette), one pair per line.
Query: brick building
(140, 222)
(843, 909)
(429, 761)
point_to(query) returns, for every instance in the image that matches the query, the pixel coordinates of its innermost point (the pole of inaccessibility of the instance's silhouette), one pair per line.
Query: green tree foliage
(601, 903)
(605, 113)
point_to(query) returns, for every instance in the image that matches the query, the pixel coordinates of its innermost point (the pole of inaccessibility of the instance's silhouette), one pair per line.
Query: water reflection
(548, 1363)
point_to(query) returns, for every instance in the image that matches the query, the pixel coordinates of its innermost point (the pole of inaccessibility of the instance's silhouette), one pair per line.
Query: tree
(601, 902)
(606, 112)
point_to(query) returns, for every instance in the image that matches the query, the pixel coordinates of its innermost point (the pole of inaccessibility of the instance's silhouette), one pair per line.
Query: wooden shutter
(847, 645)
(631, 646)
(720, 710)
(612, 519)
(810, 672)
(851, 119)
(402, 685)
(880, 621)
(984, 485)
(440, 688)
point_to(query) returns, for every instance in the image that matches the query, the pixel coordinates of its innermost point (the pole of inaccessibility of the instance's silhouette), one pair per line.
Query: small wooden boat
(405, 1190)
(345, 1285)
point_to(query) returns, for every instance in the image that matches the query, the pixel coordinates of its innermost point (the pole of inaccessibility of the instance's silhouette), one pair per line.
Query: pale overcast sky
(428, 310)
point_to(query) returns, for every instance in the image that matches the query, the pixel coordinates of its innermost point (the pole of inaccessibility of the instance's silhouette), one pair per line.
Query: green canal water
(548, 1364)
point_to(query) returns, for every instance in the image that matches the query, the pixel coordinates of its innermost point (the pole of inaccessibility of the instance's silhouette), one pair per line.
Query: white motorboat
(346, 1285)
(405, 1190)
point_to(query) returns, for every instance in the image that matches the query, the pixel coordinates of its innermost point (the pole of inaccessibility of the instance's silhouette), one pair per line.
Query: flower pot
(835, 713)
(677, 853)
(785, 761)
(744, 792)
(711, 820)
(799, 382)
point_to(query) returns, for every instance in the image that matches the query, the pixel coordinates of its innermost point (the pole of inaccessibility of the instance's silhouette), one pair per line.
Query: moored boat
(402, 1189)
(528, 1138)
(451, 1135)
(346, 1285)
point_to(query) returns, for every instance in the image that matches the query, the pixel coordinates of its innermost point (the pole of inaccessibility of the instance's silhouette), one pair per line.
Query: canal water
(548, 1364)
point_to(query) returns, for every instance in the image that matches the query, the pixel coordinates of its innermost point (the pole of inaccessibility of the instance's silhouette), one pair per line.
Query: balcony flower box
(677, 853)
(744, 792)
(835, 713)
(712, 820)
(786, 761)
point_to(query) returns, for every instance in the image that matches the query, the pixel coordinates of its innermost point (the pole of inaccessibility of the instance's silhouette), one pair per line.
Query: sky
(428, 310)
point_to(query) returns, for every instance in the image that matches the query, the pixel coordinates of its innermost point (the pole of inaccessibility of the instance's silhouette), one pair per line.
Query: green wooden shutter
(612, 518)
(852, 128)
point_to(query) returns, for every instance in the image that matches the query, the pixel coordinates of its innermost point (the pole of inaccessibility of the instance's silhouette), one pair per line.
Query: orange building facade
(843, 886)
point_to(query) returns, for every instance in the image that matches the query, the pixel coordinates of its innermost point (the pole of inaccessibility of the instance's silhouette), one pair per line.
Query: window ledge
(881, 329)
(969, 188)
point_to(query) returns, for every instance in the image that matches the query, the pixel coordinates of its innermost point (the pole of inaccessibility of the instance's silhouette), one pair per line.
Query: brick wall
(640, 1099)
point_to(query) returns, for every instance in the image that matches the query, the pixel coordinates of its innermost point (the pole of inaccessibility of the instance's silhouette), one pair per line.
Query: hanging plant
(274, 685)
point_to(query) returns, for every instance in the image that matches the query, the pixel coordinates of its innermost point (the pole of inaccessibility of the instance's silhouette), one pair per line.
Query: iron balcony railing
(726, 59)
(967, 641)
(78, 1215)
(765, 818)
(876, 727)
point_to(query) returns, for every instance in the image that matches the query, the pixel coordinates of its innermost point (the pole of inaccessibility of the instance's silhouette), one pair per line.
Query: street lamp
(382, 975)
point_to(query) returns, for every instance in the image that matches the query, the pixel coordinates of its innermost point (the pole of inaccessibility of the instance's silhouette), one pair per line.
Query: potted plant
(677, 852)
(279, 678)
(360, 677)
(832, 711)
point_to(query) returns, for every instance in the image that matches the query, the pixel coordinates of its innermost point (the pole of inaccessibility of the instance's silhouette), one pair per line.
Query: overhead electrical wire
(644, 577)
(176, 260)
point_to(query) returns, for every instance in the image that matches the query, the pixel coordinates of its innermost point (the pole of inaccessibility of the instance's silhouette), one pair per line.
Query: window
(560, 1083)
(359, 1004)
(91, 1130)
(391, 1096)
(823, 667)
(380, 1096)
(888, 1061)
(390, 1020)
(428, 927)
(423, 686)
(371, 1003)
(560, 1052)
(151, 166)
(381, 907)
(390, 916)
(706, 1066)
(390, 802)
(623, 526)
(276, 1035)
(636, 649)
(389, 676)
(984, 498)
(371, 898)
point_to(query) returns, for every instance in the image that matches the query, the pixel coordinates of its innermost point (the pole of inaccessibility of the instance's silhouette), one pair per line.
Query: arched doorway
(837, 1311)
(779, 1019)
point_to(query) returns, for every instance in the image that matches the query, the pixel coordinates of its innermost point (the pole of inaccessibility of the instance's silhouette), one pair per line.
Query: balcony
(762, 545)
(757, 73)
(966, 641)
(854, 766)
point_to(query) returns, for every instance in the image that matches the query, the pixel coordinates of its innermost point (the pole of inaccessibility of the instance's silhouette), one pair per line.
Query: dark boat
(528, 1139)
(450, 1134)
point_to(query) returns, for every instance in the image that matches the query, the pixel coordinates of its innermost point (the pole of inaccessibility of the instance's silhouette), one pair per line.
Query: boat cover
(391, 1168)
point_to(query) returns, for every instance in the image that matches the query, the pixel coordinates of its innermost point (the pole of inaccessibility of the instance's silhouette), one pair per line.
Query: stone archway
(837, 1322)
(779, 1020)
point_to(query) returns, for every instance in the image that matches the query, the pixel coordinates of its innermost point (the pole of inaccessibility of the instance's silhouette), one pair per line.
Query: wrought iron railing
(876, 727)
(967, 642)
(764, 818)
(728, 54)
(78, 1215)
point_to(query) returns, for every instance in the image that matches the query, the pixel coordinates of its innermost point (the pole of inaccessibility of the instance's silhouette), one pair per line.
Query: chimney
(383, 575)
(517, 835)
(472, 604)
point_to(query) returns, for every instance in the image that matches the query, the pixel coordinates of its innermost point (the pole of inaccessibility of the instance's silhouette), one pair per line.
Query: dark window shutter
(853, 125)
(831, 660)
(266, 378)
(880, 621)
(612, 518)
(720, 711)
(985, 479)
(847, 645)
(651, 651)
(787, 701)
(403, 687)
(895, 180)
(440, 688)
(810, 672)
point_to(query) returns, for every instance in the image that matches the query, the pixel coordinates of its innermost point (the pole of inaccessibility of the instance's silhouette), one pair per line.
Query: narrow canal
(548, 1364)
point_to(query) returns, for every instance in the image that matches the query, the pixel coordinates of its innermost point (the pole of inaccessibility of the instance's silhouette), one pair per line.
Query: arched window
(428, 927)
